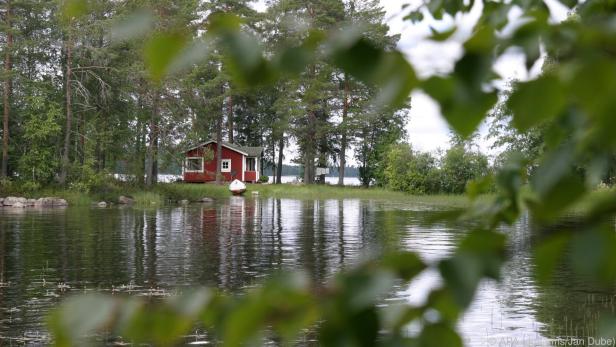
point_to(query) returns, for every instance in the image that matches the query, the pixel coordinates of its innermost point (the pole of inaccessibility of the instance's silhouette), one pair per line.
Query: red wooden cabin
(238, 162)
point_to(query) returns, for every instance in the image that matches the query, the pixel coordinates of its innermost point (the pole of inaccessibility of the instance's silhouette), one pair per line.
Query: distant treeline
(296, 170)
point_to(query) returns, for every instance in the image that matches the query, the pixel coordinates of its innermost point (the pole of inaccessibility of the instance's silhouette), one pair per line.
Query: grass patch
(145, 198)
(191, 192)
(321, 192)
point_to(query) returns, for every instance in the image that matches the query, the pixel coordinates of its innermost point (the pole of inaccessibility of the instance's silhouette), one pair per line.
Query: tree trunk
(8, 84)
(82, 137)
(69, 109)
(152, 162)
(343, 141)
(219, 150)
(280, 157)
(322, 162)
(230, 124)
(273, 162)
(142, 154)
(309, 150)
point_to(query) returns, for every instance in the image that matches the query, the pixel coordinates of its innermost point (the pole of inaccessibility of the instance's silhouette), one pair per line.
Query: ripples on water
(236, 243)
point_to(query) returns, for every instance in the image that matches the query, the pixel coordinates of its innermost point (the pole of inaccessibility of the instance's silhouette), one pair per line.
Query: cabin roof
(246, 150)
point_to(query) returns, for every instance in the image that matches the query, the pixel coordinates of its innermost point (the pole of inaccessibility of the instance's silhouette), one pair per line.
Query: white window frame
(222, 165)
(186, 169)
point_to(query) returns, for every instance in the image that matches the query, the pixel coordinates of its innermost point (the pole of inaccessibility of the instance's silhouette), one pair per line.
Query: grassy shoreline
(171, 193)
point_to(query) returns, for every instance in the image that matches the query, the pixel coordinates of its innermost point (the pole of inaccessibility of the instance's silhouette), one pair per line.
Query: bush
(460, 166)
(85, 180)
(264, 179)
(30, 186)
(421, 173)
(410, 171)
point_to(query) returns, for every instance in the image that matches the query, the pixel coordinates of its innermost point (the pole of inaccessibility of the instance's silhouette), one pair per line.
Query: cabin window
(251, 164)
(194, 165)
(226, 165)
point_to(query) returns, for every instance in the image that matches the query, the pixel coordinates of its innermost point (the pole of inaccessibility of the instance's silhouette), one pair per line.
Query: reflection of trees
(150, 258)
(207, 251)
(341, 231)
(306, 236)
(570, 305)
(138, 255)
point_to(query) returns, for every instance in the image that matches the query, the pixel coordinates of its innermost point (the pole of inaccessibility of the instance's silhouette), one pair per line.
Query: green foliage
(537, 101)
(412, 172)
(41, 132)
(86, 180)
(460, 166)
(421, 173)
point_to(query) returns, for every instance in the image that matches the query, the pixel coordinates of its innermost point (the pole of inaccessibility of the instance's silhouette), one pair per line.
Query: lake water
(234, 243)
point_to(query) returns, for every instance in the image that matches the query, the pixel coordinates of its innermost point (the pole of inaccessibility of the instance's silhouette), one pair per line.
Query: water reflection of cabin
(238, 162)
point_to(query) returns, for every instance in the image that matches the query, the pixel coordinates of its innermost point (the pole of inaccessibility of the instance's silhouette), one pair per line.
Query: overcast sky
(427, 130)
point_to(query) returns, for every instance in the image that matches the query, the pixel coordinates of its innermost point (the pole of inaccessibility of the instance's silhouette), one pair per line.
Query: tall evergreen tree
(8, 81)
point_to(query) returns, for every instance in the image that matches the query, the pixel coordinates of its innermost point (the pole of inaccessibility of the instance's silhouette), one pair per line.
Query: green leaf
(480, 254)
(548, 254)
(363, 287)
(462, 274)
(443, 301)
(388, 70)
(397, 316)
(563, 194)
(244, 322)
(282, 303)
(81, 316)
(557, 185)
(361, 60)
(134, 26)
(440, 36)
(396, 79)
(157, 324)
(481, 43)
(463, 107)
(160, 51)
(593, 254)
(480, 186)
(489, 247)
(192, 54)
(414, 16)
(192, 303)
(593, 88)
(406, 265)
(72, 9)
(536, 101)
(294, 59)
(350, 328)
(439, 335)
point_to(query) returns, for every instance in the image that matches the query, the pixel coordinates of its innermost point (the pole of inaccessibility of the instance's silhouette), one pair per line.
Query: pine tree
(8, 81)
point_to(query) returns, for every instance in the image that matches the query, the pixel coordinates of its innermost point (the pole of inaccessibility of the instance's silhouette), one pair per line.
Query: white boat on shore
(237, 187)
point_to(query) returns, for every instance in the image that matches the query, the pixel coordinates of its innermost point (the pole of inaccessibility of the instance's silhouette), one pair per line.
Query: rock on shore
(126, 200)
(21, 202)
